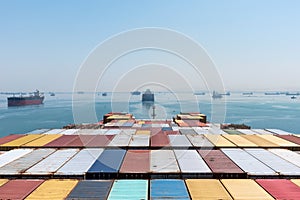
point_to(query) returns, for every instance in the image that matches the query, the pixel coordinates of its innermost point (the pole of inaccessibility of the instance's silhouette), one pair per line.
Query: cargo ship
(136, 93)
(35, 99)
(148, 96)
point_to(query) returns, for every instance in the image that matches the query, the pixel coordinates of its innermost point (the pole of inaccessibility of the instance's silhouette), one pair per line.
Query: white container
(12, 155)
(179, 141)
(247, 131)
(261, 132)
(163, 161)
(288, 155)
(54, 131)
(199, 141)
(279, 132)
(139, 141)
(120, 140)
(69, 131)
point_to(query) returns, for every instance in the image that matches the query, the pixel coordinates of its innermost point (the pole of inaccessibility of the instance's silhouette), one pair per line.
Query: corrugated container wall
(129, 189)
(168, 189)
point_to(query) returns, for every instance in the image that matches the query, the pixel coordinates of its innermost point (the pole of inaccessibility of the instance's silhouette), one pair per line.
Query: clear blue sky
(255, 44)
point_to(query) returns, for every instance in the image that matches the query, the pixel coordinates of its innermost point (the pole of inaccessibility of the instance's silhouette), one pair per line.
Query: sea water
(257, 110)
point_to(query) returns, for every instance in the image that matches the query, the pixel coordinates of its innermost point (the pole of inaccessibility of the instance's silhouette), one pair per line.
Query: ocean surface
(257, 111)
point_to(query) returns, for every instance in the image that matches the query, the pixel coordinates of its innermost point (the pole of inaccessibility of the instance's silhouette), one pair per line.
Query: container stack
(128, 158)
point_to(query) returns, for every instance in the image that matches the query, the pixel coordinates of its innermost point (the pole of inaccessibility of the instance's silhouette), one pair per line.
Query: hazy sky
(255, 44)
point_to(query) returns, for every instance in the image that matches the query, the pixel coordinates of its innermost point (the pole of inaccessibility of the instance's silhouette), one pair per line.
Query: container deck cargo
(276, 163)
(221, 165)
(248, 163)
(239, 141)
(13, 155)
(52, 163)
(262, 131)
(178, 141)
(192, 165)
(100, 141)
(185, 131)
(54, 131)
(21, 141)
(128, 131)
(61, 141)
(3, 181)
(200, 141)
(80, 163)
(53, 189)
(260, 141)
(129, 189)
(219, 141)
(280, 188)
(18, 189)
(279, 132)
(207, 189)
(159, 140)
(232, 131)
(279, 141)
(42, 140)
(90, 189)
(168, 189)
(246, 131)
(216, 131)
(296, 181)
(143, 132)
(139, 141)
(245, 189)
(69, 131)
(107, 165)
(163, 164)
(291, 138)
(38, 131)
(120, 141)
(80, 141)
(288, 155)
(113, 132)
(21, 164)
(10, 138)
(200, 130)
(136, 164)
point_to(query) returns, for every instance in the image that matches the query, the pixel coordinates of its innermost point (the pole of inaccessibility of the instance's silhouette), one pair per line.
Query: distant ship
(52, 94)
(227, 94)
(104, 94)
(148, 96)
(247, 93)
(199, 93)
(35, 99)
(292, 94)
(136, 93)
(216, 95)
(272, 93)
(293, 97)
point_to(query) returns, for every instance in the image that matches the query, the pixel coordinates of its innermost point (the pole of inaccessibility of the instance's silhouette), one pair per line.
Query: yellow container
(261, 142)
(219, 141)
(239, 141)
(22, 140)
(54, 189)
(296, 181)
(42, 141)
(279, 141)
(206, 189)
(143, 132)
(245, 189)
(3, 181)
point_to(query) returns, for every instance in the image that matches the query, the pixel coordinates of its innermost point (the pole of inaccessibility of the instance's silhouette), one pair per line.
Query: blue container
(129, 189)
(168, 189)
(166, 129)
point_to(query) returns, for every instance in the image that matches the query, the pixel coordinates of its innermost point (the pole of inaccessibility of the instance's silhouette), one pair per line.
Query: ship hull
(24, 101)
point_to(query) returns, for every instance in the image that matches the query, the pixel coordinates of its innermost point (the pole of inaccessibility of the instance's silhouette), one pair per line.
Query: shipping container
(143, 132)
(279, 132)
(128, 131)
(90, 189)
(248, 163)
(129, 189)
(245, 189)
(12, 155)
(136, 164)
(288, 155)
(168, 189)
(159, 140)
(139, 141)
(219, 141)
(232, 131)
(61, 141)
(216, 131)
(280, 188)
(120, 141)
(291, 138)
(246, 131)
(21, 164)
(200, 141)
(42, 140)
(10, 138)
(80, 141)
(100, 141)
(279, 141)
(53, 189)
(54, 131)
(187, 131)
(22, 140)
(38, 131)
(191, 164)
(163, 162)
(260, 141)
(239, 141)
(69, 131)
(86, 132)
(296, 181)
(278, 164)
(207, 189)
(3, 181)
(107, 165)
(200, 130)
(52, 163)
(262, 131)
(179, 141)
(80, 163)
(18, 189)
(221, 165)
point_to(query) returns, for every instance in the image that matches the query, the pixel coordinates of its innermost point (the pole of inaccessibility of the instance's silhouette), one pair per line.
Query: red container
(220, 164)
(280, 188)
(100, 141)
(290, 138)
(80, 141)
(172, 132)
(159, 140)
(136, 161)
(9, 138)
(18, 189)
(61, 141)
